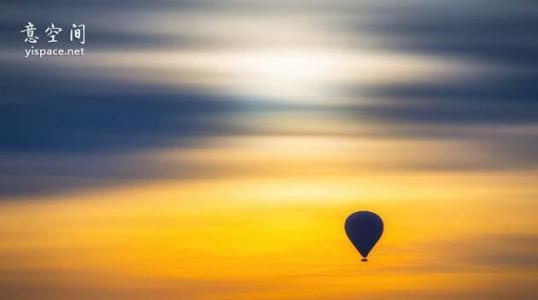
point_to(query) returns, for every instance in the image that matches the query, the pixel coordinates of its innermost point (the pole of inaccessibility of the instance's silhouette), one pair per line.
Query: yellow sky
(278, 232)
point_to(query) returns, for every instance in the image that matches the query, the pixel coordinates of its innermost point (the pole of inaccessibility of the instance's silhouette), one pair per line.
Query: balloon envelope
(364, 229)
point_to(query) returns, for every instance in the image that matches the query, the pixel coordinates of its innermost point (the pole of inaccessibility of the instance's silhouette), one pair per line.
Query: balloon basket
(364, 259)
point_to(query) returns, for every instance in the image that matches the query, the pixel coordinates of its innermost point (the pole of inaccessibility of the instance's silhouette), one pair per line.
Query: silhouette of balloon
(364, 229)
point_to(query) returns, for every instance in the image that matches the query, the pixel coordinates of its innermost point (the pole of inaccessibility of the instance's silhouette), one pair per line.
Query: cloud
(74, 123)
(60, 284)
(480, 254)
(499, 32)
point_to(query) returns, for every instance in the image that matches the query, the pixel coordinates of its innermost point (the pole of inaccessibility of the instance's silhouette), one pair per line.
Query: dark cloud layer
(108, 122)
(500, 34)
(57, 112)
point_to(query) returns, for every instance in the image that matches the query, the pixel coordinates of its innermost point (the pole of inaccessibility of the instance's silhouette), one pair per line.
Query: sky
(213, 150)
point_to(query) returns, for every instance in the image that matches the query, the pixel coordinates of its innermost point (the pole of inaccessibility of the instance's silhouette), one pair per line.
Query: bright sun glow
(290, 74)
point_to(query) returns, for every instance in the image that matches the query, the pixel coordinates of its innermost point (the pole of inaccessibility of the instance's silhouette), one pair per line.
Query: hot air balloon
(364, 229)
